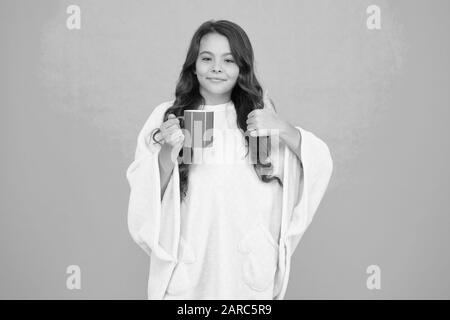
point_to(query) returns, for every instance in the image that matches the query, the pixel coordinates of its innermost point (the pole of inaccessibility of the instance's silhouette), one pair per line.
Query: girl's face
(216, 69)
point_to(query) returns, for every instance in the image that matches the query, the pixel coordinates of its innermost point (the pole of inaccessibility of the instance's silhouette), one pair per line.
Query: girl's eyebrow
(227, 53)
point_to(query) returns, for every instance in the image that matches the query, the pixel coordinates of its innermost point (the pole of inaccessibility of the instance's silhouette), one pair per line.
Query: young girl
(215, 229)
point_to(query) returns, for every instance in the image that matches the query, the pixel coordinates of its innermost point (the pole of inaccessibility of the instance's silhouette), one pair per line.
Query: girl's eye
(227, 60)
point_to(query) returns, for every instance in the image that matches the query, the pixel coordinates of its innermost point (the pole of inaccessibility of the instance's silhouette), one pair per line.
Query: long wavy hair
(246, 95)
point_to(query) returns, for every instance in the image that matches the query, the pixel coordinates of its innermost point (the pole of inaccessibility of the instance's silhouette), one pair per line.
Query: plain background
(73, 102)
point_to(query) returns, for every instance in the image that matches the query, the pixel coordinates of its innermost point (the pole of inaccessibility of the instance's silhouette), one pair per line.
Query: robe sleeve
(154, 224)
(306, 181)
(317, 168)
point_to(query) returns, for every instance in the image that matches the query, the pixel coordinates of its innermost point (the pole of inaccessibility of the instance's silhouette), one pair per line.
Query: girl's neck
(216, 100)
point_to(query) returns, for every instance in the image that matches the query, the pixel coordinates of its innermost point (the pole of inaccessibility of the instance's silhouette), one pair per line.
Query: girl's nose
(217, 68)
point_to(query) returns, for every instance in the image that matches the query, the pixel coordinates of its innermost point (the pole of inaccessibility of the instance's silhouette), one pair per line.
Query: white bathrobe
(155, 225)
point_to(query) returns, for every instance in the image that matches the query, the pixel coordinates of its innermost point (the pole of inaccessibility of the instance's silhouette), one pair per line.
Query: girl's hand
(262, 122)
(172, 135)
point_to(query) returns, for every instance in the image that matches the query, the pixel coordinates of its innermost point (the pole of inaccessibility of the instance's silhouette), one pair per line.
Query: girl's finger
(175, 135)
(170, 122)
(253, 113)
(171, 130)
(250, 121)
(172, 126)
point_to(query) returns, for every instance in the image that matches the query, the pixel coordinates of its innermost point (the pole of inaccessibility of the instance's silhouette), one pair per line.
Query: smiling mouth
(216, 79)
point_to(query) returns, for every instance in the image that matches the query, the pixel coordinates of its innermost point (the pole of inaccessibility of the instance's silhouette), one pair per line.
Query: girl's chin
(216, 92)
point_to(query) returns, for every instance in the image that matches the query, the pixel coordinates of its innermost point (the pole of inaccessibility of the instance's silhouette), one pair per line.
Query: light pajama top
(232, 237)
(230, 222)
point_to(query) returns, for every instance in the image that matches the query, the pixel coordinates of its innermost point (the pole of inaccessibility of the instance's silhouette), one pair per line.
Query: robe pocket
(260, 258)
(181, 279)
